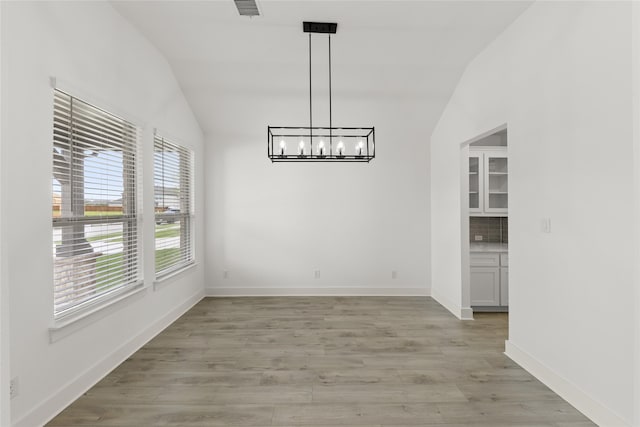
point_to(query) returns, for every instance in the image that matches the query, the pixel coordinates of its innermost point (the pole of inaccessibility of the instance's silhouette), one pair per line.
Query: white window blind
(173, 170)
(95, 220)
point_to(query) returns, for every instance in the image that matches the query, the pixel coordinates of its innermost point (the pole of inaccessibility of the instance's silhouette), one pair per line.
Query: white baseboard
(334, 291)
(71, 391)
(466, 313)
(454, 308)
(594, 410)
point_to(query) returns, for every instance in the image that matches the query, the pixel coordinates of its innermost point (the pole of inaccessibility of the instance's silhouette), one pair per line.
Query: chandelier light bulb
(359, 148)
(301, 148)
(283, 147)
(321, 148)
(340, 148)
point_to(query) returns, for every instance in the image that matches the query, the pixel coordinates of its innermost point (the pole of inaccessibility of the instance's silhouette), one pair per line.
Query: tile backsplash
(492, 229)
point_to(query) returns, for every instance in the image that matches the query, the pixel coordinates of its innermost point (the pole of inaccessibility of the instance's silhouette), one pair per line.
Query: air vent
(247, 7)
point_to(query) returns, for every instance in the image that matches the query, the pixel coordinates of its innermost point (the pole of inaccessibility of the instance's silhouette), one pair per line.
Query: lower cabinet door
(504, 286)
(485, 286)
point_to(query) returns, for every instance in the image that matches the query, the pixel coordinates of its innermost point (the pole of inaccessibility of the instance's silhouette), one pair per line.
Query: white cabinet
(485, 286)
(488, 182)
(504, 286)
(504, 259)
(489, 278)
(496, 182)
(476, 195)
(485, 259)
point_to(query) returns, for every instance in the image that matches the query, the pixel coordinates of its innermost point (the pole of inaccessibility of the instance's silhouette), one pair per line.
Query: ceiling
(240, 74)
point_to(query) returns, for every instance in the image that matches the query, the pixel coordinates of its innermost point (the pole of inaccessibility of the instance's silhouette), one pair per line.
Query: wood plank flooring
(323, 361)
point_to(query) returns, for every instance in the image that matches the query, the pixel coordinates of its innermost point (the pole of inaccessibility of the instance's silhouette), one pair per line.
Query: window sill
(161, 281)
(68, 325)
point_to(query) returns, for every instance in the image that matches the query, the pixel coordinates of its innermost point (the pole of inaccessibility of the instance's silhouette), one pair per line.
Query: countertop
(488, 247)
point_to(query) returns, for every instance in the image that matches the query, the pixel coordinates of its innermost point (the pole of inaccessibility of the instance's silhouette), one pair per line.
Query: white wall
(275, 224)
(89, 48)
(4, 286)
(636, 139)
(560, 77)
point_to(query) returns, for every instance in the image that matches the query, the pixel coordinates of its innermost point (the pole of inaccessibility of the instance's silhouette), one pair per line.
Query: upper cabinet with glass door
(496, 184)
(476, 167)
(488, 182)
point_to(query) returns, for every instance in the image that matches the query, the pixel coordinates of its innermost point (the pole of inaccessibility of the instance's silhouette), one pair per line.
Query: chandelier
(320, 144)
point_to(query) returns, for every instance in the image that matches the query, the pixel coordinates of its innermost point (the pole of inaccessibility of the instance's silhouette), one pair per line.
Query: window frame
(130, 148)
(186, 216)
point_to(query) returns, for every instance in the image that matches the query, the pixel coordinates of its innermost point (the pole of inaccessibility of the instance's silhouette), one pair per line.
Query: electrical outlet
(316, 274)
(14, 388)
(545, 225)
(225, 274)
(394, 274)
(478, 237)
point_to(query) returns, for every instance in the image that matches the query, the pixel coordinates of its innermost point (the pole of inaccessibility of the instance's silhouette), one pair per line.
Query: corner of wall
(454, 308)
(72, 390)
(581, 400)
(636, 177)
(5, 373)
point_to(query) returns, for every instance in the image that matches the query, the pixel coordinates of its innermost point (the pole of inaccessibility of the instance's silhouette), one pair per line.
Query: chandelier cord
(330, 122)
(310, 104)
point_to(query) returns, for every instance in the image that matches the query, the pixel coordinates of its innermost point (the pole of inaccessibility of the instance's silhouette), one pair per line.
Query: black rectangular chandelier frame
(363, 138)
(366, 153)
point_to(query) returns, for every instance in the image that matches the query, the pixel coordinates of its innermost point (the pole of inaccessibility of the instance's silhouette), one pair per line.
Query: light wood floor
(303, 361)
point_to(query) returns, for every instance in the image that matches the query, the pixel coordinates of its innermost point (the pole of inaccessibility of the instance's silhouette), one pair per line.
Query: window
(95, 219)
(173, 165)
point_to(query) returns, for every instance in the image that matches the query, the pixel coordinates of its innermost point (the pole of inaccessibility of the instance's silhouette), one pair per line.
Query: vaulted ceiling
(240, 74)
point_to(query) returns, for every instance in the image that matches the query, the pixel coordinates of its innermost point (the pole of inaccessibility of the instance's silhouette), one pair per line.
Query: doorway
(485, 223)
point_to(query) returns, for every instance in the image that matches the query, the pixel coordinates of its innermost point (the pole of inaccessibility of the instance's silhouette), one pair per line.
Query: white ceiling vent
(247, 7)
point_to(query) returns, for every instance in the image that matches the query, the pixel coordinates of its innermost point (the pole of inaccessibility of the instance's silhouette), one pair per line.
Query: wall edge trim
(454, 308)
(574, 395)
(466, 313)
(72, 390)
(316, 291)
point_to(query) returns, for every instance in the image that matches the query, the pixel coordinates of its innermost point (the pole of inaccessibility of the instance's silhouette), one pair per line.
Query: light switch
(545, 225)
